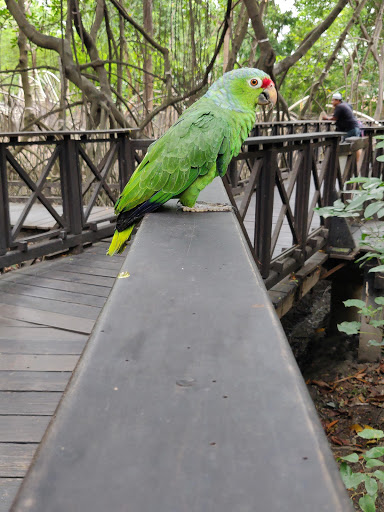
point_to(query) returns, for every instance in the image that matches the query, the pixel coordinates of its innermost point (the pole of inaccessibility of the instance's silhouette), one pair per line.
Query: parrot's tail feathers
(119, 241)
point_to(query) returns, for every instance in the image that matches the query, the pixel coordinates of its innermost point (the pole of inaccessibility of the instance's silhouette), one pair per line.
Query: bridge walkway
(47, 312)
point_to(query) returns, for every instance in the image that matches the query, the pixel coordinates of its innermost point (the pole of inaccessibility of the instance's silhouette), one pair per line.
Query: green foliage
(370, 190)
(368, 460)
(349, 327)
(366, 201)
(189, 30)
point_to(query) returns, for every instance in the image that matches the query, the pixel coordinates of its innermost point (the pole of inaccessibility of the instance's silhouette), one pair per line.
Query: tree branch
(162, 49)
(267, 53)
(194, 90)
(310, 39)
(334, 55)
(63, 48)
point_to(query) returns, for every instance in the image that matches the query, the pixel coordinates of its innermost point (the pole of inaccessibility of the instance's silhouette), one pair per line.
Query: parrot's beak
(268, 96)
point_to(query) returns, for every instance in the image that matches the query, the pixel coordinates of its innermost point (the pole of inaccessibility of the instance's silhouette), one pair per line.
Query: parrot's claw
(208, 207)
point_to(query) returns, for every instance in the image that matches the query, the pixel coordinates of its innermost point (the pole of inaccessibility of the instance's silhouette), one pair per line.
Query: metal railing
(275, 182)
(60, 185)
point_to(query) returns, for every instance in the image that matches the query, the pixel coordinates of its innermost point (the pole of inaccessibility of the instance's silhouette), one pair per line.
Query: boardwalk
(39, 217)
(47, 312)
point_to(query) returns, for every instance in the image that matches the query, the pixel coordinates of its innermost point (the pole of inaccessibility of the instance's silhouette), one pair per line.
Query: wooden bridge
(180, 396)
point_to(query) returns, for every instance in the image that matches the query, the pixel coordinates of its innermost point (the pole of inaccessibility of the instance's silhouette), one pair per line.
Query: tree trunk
(193, 43)
(22, 42)
(267, 53)
(310, 39)
(333, 57)
(148, 65)
(239, 36)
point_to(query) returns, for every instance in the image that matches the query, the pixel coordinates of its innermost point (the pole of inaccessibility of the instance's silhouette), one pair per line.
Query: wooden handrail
(187, 397)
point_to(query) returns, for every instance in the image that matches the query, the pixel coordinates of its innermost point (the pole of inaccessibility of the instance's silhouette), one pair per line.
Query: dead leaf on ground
(321, 384)
(332, 424)
(337, 441)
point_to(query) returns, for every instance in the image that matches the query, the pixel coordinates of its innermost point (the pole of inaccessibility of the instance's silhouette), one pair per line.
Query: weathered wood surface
(198, 405)
(28, 403)
(33, 381)
(15, 459)
(8, 490)
(40, 218)
(46, 314)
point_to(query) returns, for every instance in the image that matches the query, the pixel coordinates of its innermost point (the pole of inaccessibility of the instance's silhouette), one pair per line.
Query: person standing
(343, 115)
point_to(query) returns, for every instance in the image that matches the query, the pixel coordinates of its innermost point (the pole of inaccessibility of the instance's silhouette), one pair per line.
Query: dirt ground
(348, 395)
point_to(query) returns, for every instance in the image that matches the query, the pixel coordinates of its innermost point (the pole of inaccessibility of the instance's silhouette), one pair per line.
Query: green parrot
(196, 149)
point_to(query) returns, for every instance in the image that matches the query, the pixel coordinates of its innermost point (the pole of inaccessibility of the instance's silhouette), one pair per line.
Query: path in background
(47, 312)
(40, 218)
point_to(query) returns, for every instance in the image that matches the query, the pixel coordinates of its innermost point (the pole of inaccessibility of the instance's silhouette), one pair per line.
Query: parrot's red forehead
(266, 82)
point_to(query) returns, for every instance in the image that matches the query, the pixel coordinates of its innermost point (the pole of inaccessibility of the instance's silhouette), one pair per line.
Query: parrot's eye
(255, 82)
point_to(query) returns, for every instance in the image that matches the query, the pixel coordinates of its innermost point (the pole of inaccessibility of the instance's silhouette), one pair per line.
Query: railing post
(4, 203)
(376, 165)
(302, 196)
(264, 210)
(71, 186)
(126, 159)
(331, 173)
(365, 158)
(232, 173)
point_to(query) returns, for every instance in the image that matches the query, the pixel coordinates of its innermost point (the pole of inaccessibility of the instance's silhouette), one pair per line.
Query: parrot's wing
(188, 149)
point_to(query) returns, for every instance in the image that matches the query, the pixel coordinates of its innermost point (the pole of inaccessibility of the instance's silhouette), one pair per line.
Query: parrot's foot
(208, 207)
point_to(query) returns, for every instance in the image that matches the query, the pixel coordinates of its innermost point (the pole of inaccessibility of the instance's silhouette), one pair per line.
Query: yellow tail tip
(119, 241)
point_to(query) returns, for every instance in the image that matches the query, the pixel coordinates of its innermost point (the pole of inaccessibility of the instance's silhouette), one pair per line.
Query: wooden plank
(28, 403)
(85, 269)
(74, 277)
(33, 381)
(23, 429)
(15, 459)
(49, 305)
(8, 490)
(100, 212)
(10, 322)
(47, 318)
(94, 290)
(101, 261)
(49, 293)
(53, 347)
(38, 363)
(39, 217)
(101, 249)
(39, 333)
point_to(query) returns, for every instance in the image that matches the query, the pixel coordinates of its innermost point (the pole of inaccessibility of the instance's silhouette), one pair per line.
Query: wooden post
(330, 175)
(4, 203)
(264, 210)
(71, 188)
(302, 197)
(126, 160)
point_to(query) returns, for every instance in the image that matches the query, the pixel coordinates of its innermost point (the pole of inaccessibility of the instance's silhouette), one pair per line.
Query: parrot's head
(243, 89)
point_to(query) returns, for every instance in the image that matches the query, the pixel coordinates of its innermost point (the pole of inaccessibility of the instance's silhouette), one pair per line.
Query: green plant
(368, 461)
(366, 201)
(373, 317)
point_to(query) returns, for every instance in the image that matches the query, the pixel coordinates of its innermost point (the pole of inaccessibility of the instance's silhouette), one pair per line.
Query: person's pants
(355, 132)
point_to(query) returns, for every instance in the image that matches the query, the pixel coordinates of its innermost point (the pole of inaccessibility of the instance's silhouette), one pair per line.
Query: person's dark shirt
(345, 120)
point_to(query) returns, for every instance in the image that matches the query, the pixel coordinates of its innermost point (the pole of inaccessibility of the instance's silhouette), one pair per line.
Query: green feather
(198, 147)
